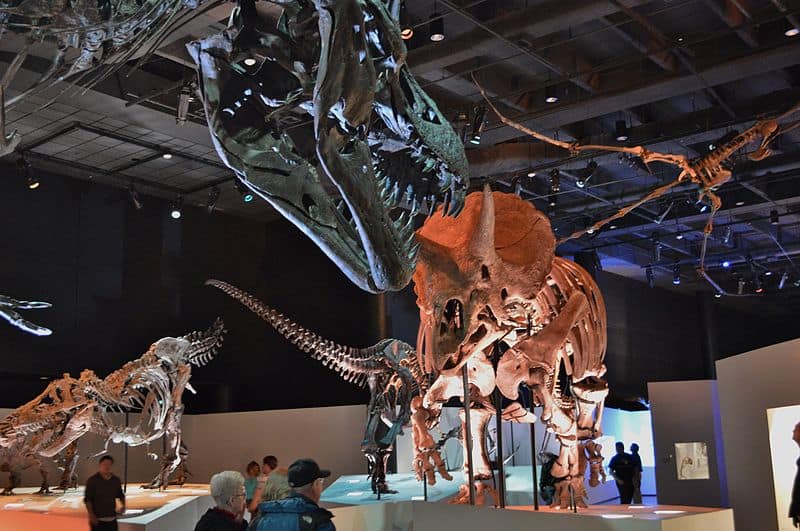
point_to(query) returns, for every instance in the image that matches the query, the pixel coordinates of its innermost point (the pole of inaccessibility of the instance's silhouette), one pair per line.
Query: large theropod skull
(319, 115)
(478, 276)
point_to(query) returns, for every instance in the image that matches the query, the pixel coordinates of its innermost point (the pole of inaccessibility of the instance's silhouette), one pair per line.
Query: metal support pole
(498, 409)
(424, 488)
(125, 459)
(468, 434)
(534, 458)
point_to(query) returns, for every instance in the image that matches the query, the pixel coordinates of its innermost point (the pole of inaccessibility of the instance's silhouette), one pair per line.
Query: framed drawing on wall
(691, 460)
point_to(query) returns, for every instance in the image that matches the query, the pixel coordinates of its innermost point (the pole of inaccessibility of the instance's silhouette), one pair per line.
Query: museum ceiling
(676, 76)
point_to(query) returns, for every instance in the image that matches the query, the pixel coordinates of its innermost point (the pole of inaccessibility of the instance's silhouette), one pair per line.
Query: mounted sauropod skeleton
(494, 298)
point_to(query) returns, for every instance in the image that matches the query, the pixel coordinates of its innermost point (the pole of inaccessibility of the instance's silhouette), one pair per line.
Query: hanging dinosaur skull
(376, 139)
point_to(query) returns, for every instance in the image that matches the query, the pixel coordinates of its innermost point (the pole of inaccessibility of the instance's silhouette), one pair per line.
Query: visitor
(622, 468)
(100, 496)
(268, 464)
(637, 474)
(227, 489)
(794, 507)
(300, 510)
(274, 487)
(251, 481)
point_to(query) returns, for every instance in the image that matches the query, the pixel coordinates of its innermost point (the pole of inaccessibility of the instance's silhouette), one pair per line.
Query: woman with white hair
(227, 489)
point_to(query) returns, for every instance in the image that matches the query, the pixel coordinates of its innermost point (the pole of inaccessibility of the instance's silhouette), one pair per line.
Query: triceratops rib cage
(205, 344)
(354, 365)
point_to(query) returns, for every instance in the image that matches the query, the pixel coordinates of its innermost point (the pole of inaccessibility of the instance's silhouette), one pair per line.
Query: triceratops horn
(482, 242)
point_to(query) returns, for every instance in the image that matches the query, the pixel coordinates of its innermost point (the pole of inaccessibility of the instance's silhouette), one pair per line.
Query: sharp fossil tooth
(412, 253)
(432, 205)
(446, 204)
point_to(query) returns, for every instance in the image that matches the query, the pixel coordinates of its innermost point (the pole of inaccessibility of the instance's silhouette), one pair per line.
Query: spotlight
(166, 156)
(550, 95)
(247, 195)
(712, 146)
(213, 197)
(136, 201)
(726, 264)
(757, 282)
(24, 170)
(679, 236)
(656, 248)
(612, 227)
(651, 279)
(768, 273)
(774, 219)
(792, 31)
(436, 27)
(590, 230)
(477, 125)
(555, 181)
(621, 131)
(586, 174)
(552, 200)
(726, 239)
(250, 61)
(784, 278)
(406, 29)
(175, 208)
(701, 205)
(185, 97)
(676, 274)
(739, 203)
(717, 295)
(531, 174)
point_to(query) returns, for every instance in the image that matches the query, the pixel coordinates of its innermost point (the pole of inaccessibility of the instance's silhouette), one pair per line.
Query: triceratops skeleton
(50, 425)
(8, 311)
(494, 299)
(388, 368)
(375, 139)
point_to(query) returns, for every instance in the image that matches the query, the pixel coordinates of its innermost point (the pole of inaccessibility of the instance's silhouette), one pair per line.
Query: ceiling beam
(651, 91)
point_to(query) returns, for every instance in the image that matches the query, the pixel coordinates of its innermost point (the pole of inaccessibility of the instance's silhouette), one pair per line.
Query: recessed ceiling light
(679, 236)
(166, 156)
(249, 61)
(531, 174)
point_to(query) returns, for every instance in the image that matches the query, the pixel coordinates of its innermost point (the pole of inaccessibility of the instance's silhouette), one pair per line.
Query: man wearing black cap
(300, 511)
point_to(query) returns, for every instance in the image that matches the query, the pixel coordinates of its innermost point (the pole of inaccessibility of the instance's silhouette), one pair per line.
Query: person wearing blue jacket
(301, 510)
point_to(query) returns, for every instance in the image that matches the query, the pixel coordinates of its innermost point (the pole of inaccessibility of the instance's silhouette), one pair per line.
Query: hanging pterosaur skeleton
(709, 172)
(9, 310)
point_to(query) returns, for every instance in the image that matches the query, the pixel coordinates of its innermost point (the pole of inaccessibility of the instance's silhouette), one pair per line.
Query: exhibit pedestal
(176, 509)
(422, 516)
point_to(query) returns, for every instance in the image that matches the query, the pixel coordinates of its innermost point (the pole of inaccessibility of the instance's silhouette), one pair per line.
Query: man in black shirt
(794, 508)
(637, 473)
(622, 468)
(102, 492)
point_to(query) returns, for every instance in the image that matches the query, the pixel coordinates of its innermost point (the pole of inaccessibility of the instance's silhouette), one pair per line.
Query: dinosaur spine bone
(354, 365)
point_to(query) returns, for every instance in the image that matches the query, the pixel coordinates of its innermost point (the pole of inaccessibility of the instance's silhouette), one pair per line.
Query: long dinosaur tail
(354, 365)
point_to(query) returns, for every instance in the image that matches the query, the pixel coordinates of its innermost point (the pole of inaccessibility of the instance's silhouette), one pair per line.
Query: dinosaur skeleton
(321, 118)
(8, 311)
(495, 302)
(388, 368)
(50, 425)
(91, 40)
(709, 172)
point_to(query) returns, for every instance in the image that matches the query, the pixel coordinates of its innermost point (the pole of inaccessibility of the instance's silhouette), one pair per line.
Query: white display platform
(422, 516)
(177, 509)
(355, 490)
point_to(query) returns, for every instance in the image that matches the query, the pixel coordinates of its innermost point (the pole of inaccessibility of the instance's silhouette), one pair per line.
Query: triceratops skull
(478, 275)
(376, 139)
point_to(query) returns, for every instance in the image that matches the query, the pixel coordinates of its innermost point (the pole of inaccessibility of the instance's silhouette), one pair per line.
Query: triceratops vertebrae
(50, 425)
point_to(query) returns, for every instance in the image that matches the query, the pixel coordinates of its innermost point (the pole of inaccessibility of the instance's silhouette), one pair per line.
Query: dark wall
(119, 279)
